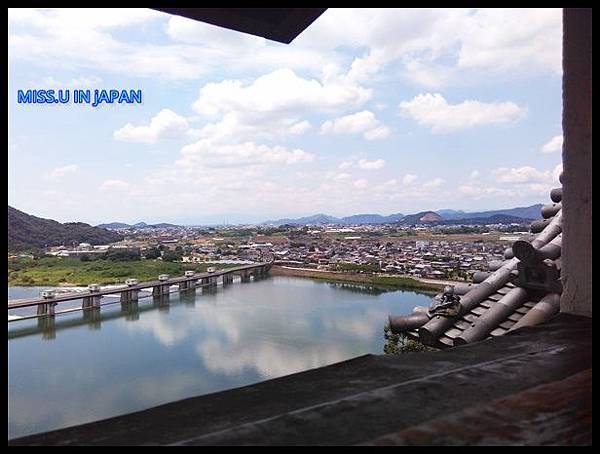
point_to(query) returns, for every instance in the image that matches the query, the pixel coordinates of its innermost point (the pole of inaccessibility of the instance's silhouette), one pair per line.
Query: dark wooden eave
(277, 24)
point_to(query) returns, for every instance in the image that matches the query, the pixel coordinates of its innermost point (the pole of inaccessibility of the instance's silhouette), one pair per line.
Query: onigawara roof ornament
(448, 304)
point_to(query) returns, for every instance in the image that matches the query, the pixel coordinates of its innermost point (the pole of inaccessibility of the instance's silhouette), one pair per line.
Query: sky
(367, 111)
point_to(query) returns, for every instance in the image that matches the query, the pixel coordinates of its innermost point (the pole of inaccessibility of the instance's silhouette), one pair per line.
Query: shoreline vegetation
(64, 271)
(399, 282)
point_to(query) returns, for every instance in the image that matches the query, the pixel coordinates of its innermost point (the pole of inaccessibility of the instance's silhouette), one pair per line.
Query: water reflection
(138, 355)
(47, 326)
(92, 316)
(131, 310)
(162, 302)
(361, 288)
(188, 297)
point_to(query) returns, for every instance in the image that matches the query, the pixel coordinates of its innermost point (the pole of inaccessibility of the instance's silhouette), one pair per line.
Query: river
(87, 366)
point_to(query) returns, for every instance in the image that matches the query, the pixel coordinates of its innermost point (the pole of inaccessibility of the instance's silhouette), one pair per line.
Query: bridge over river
(129, 293)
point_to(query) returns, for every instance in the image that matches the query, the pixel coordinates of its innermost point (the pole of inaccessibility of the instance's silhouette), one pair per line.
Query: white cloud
(363, 164)
(380, 132)
(409, 179)
(553, 145)
(398, 192)
(76, 82)
(278, 92)
(300, 127)
(209, 154)
(435, 183)
(114, 185)
(342, 176)
(510, 39)
(539, 188)
(514, 185)
(478, 191)
(164, 125)
(467, 189)
(474, 174)
(429, 74)
(525, 174)
(434, 111)
(361, 183)
(445, 46)
(363, 122)
(60, 172)
(272, 105)
(371, 165)
(81, 18)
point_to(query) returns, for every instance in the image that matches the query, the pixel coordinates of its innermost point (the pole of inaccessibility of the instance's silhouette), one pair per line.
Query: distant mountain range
(326, 219)
(531, 212)
(494, 219)
(506, 216)
(26, 231)
(139, 225)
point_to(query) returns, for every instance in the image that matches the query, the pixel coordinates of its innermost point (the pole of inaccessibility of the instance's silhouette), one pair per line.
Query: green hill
(26, 231)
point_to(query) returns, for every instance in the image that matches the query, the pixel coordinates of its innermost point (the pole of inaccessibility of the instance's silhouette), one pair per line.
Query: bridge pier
(246, 275)
(91, 301)
(160, 290)
(46, 308)
(260, 272)
(129, 296)
(212, 281)
(187, 285)
(227, 279)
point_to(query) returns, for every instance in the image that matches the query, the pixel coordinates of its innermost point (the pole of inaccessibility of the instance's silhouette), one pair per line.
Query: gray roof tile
(550, 233)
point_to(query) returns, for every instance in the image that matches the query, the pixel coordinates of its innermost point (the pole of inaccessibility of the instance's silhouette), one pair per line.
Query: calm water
(115, 361)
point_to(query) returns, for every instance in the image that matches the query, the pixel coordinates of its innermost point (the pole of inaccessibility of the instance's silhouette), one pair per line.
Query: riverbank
(401, 282)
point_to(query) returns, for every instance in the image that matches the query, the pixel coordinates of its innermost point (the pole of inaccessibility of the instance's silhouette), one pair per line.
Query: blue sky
(367, 111)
